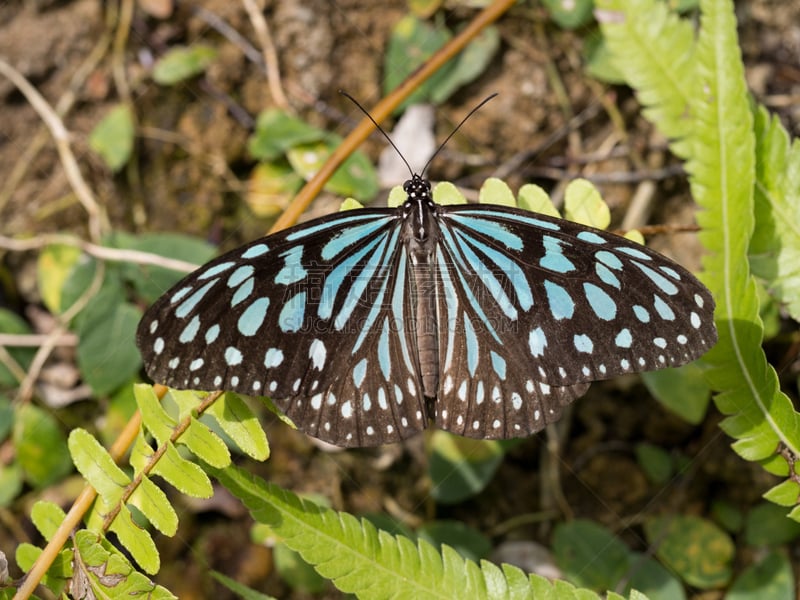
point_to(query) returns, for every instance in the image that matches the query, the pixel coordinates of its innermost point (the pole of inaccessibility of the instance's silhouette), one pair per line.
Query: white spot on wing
(318, 354)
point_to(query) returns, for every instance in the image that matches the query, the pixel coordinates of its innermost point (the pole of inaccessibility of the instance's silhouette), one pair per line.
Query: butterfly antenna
(452, 133)
(374, 122)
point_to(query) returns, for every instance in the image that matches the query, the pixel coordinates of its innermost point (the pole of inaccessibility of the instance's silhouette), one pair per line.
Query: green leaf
(654, 50)
(466, 540)
(461, 467)
(238, 421)
(694, 548)
(136, 541)
(205, 444)
(270, 188)
(771, 578)
(110, 574)
(443, 193)
(11, 323)
(79, 279)
(53, 268)
(181, 63)
(496, 191)
(599, 63)
(6, 410)
(683, 391)
(154, 504)
(11, 480)
(239, 589)
(40, 447)
(355, 177)
(583, 204)
(654, 581)
(532, 197)
(590, 555)
(364, 561)
(26, 554)
(276, 132)
(151, 281)
(775, 246)
(101, 305)
(107, 355)
(469, 64)
(728, 515)
(767, 525)
(785, 493)
(155, 418)
(186, 476)
(350, 204)
(112, 137)
(397, 196)
(97, 467)
(296, 572)
(570, 14)
(655, 462)
(47, 517)
(412, 43)
(58, 573)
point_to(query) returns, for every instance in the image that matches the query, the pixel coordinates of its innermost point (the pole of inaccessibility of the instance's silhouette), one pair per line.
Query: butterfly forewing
(578, 304)
(312, 317)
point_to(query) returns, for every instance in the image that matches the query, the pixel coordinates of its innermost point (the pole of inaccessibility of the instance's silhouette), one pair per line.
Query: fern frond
(371, 563)
(654, 49)
(720, 150)
(775, 247)
(722, 175)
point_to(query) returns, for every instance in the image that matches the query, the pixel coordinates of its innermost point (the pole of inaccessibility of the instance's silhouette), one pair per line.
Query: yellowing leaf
(496, 191)
(446, 193)
(54, 267)
(532, 197)
(270, 189)
(583, 204)
(181, 63)
(112, 137)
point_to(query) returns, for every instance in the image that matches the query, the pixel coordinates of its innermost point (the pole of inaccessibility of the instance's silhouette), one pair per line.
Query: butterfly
(363, 326)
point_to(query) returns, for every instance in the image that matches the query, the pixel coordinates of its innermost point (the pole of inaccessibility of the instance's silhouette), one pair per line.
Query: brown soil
(191, 166)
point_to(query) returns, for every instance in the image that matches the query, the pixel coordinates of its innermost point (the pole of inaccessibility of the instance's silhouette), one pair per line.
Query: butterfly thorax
(420, 234)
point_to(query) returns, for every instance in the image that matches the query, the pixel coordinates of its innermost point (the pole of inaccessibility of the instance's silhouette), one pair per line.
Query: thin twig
(270, 55)
(557, 174)
(63, 106)
(123, 27)
(12, 365)
(34, 340)
(514, 164)
(229, 33)
(101, 252)
(97, 219)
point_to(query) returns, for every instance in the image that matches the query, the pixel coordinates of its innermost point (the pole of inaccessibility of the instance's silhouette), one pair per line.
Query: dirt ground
(550, 122)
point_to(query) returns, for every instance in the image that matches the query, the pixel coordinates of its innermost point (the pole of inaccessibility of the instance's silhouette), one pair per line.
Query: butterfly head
(418, 189)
